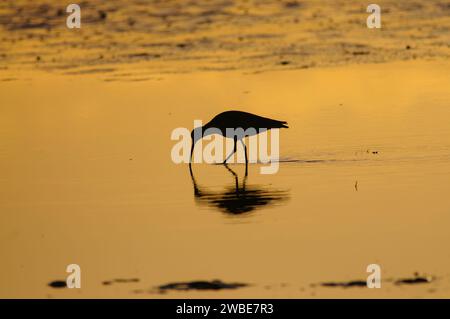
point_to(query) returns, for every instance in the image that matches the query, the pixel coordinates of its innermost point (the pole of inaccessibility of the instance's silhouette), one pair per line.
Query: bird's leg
(236, 180)
(236, 183)
(234, 151)
(225, 161)
(244, 181)
(197, 192)
(246, 158)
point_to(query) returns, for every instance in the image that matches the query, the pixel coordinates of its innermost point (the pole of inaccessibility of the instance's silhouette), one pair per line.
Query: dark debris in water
(360, 52)
(143, 55)
(346, 284)
(120, 281)
(200, 285)
(292, 4)
(102, 14)
(58, 284)
(417, 279)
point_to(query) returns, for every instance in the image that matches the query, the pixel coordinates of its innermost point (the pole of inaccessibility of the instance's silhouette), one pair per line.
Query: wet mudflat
(133, 40)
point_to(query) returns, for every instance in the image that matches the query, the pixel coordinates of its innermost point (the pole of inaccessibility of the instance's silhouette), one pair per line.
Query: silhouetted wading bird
(250, 124)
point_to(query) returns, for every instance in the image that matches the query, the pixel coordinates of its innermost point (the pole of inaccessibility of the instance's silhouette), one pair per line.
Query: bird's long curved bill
(190, 160)
(192, 152)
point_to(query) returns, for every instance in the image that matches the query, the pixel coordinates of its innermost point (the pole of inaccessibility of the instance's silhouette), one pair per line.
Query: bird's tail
(283, 124)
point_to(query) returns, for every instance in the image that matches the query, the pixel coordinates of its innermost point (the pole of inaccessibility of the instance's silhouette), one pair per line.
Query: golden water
(87, 178)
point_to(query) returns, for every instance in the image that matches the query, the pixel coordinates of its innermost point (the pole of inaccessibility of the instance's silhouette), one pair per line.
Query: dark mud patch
(91, 71)
(292, 4)
(142, 55)
(347, 284)
(199, 285)
(57, 284)
(120, 281)
(360, 52)
(416, 280)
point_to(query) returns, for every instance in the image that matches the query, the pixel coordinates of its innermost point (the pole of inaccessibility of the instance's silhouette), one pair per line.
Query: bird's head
(196, 135)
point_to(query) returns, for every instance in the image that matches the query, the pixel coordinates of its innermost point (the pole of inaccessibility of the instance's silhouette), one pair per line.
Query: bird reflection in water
(238, 199)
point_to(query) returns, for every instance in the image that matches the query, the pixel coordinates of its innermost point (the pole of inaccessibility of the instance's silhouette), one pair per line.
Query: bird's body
(229, 123)
(244, 120)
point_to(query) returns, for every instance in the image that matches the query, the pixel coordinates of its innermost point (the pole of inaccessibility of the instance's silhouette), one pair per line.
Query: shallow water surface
(364, 175)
